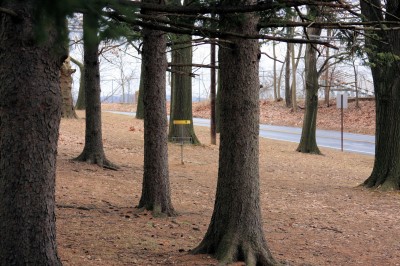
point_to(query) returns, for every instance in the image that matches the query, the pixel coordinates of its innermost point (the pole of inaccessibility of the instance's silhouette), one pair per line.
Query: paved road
(357, 143)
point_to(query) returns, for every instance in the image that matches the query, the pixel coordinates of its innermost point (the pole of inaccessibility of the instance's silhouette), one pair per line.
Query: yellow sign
(181, 122)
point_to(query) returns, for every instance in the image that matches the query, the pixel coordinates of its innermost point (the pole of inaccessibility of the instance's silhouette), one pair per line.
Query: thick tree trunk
(30, 112)
(385, 72)
(67, 109)
(155, 189)
(308, 141)
(80, 102)
(235, 232)
(93, 152)
(386, 171)
(181, 90)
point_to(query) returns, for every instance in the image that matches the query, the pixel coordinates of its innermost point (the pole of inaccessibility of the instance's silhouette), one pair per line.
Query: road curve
(357, 143)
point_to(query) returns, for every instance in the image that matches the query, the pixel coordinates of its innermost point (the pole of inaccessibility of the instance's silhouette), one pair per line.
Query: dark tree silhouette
(384, 54)
(308, 141)
(155, 189)
(93, 152)
(30, 113)
(235, 232)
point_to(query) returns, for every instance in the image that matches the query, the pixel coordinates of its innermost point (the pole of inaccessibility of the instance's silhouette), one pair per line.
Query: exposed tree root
(96, 159)
(110, 165)
(383, 183)
(253, 254)
(157, 211)
(314, 150)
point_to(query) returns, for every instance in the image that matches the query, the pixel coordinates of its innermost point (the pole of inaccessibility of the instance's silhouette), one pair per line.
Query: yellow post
(181, 122)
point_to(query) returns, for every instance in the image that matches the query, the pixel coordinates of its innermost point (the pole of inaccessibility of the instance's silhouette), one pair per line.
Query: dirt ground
(313, 211)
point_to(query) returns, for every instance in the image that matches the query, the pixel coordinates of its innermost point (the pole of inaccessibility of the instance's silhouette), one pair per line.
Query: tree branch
(9, 12)
(373, 25)
(193, 65)
(182, 73)
(217, 9)
(158, 24)
(270, 57)
(326, 65)
(76, 62)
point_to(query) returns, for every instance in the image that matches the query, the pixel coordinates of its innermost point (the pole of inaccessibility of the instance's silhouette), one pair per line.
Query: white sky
(111, 70)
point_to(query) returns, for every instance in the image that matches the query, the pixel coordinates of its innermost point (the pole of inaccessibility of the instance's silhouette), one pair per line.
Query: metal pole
(341, 110)
(181, 143)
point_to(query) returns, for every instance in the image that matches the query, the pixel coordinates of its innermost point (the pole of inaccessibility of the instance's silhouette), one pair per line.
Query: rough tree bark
(80, 102)
(30, 113)
(93, 152)
(384, 53)
(235, 232)
(67, 109)
(308, 141)
(156, 188)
